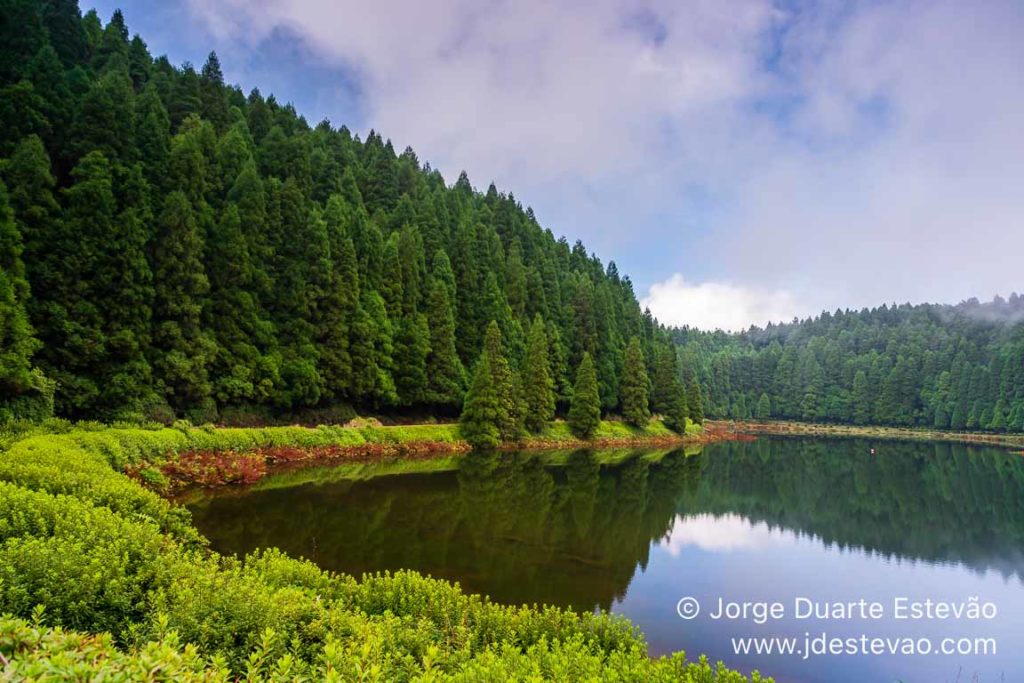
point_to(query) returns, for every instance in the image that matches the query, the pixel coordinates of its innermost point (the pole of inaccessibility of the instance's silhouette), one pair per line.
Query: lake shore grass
(788, 428)
(170, 459)
(208, 457)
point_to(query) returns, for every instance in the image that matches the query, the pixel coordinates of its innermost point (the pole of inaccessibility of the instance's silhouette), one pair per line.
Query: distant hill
(950, 367)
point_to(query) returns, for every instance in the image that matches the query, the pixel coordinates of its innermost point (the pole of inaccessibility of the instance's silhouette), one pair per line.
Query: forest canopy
(938, 366)
(174, 247)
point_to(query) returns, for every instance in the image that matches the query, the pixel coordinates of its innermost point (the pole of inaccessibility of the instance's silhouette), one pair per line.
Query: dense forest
(172, 247)
(948, 367)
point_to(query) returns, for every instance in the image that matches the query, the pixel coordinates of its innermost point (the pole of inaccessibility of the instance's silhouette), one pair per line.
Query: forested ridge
(948, 367)
(174, 247)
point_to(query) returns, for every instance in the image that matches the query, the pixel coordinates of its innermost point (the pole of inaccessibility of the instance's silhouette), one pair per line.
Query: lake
(828, 544)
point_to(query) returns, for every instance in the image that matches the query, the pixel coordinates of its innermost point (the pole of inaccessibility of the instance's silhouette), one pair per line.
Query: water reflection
(634, 532)
(528, 528)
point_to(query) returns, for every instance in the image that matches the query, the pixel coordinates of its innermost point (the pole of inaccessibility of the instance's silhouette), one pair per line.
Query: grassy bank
(361, 470)
(869, 432)
(166, 459)
(86, 550)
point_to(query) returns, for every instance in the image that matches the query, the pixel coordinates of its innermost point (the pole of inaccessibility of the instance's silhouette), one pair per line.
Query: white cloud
(841, 154)
(719, 305)
(718, 533)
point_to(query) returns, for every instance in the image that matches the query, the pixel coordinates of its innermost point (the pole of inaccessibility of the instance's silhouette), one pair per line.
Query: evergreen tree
(538, 387)
(17, 343)
(694, 402)
(861, 398)
(764, 407)
(238, 371)
(634, 386)
(181, 347)
(503, 379)
(490, 412)
(585, 411)
(998, 420)
(412, 347)
(482, 410)
(445, 373)
(676, 411)
(958, 420)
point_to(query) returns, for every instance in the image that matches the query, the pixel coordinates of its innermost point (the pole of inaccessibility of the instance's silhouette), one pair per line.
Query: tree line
(939, 366)
(172, 247)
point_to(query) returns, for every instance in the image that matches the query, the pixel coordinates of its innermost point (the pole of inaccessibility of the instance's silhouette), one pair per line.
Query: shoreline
(229, 466)
(787, 428)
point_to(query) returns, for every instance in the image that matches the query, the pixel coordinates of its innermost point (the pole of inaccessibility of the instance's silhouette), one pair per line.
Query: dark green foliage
(482, 410)
(445, 374)
(181, 347)
(585, 412)
(695, 402)
(538, 387)
(491, 409)
(633, 388)
(189, 250)
(935, 366)
(676, 413)
(764, 407)
(17, 343)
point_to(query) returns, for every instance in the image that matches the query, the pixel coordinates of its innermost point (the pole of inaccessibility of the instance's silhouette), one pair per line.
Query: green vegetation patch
(85, 550)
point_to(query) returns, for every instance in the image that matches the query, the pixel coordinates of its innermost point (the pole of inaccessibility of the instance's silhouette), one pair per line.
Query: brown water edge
(1015, 442)
(218, 468)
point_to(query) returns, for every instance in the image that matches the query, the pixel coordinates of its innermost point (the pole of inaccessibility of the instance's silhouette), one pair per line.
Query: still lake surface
(634, 532)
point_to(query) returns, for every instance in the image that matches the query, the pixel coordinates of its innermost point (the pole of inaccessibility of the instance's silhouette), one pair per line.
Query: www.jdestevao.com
(820, 643)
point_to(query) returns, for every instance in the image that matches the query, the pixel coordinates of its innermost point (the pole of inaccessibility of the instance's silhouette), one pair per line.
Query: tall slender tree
(17, 343)
(633, 387)
(538, 387)
(489, 412)
(585, 411)
(695, 402)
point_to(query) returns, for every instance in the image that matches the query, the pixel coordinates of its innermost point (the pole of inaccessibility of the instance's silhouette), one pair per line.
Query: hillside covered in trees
(173, 247)
(948, 367)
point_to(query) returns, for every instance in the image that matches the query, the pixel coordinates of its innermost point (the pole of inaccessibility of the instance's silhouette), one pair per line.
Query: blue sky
(743, 161)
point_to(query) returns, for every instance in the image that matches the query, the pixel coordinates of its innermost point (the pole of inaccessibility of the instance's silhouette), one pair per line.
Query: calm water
(773, 520)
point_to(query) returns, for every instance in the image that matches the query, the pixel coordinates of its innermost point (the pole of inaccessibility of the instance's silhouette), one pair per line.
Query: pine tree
(538, 387)
(676, 411)
(445, 373)
(998, 421)
(585, 411)
(633, 386)
(503, 379)
(412, 348)
(234, 315)
(489, 414)
(958, 420)
(664, 377)
(482, 410)
(694, 402)
(764, 407)
(181, 348)
(17, 343)
(213, 104)
(861, 398)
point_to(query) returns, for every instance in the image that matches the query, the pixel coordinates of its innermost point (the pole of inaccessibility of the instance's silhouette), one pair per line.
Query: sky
(744, 161)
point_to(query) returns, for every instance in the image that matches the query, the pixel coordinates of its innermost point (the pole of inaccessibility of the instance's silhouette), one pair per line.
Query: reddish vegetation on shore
(211, 468)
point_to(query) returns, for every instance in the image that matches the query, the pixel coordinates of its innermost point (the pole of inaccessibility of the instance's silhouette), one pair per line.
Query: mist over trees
(946, 367)
(174, 247)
